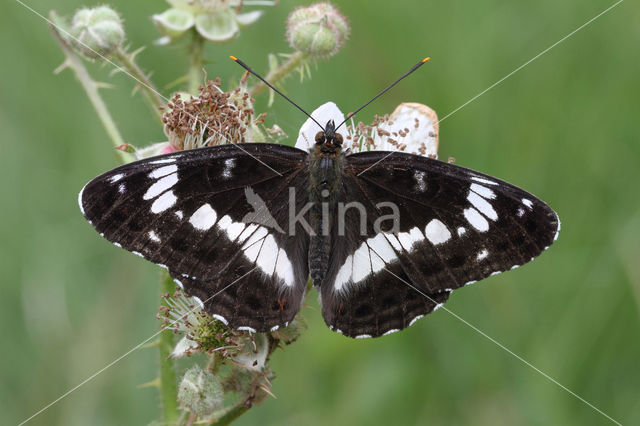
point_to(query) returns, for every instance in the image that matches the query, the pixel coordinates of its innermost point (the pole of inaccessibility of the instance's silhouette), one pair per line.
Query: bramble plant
(231, 373)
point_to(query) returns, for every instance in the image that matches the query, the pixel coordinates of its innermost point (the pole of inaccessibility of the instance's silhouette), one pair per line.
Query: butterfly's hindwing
(213, 217)
(456, 226)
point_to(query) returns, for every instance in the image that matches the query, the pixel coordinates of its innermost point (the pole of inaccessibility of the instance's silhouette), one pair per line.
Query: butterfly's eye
(320, 137)
(338, 140)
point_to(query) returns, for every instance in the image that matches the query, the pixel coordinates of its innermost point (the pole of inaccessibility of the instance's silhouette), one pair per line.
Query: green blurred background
(564, 128)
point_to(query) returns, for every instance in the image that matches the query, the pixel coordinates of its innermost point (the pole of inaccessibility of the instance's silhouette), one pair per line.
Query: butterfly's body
(326, 166)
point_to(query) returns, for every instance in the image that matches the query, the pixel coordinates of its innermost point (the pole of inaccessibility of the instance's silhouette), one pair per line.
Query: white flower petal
(322, 114)
(173, 22)
(249, 17)
(183, 348)
(219, 26)
(254, 359)
(422, 125)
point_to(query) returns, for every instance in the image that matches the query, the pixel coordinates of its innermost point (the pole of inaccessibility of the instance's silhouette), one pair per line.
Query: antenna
(246, 67)
(415, 67)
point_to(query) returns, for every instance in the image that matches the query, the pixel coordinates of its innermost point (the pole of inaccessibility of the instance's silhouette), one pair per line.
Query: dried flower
(97, 31)
(318, 30)
(214, 117)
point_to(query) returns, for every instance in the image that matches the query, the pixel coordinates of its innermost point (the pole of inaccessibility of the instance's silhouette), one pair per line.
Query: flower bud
(318, 30)
(97, 32)
(200, 392)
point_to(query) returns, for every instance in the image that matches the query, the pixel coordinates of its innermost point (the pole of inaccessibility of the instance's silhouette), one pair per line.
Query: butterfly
(384, 236)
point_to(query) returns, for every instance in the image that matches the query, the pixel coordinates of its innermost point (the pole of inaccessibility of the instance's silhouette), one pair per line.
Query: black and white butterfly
(220, 220)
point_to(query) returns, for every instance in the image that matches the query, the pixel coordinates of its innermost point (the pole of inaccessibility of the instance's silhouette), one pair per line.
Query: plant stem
(168, 385)
(91, 89)
(279, 73)
(150, 93)
(195, 67)
(233, 414)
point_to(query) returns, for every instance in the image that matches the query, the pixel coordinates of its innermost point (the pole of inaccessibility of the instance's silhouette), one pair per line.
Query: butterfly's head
(329, 138)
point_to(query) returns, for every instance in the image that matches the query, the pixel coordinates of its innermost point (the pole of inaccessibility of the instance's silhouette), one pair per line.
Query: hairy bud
(97, 31)
(318, 30)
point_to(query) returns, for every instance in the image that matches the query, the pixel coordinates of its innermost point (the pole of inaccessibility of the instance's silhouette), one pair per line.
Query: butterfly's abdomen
(324, 185)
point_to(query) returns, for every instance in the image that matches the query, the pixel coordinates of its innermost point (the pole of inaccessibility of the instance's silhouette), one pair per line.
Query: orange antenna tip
(425, 59)
(233, 57)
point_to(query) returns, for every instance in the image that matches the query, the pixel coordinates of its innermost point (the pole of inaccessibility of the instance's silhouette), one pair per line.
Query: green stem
(279, 73)
(91, 89)
(168, 385)
(197, 62)
(150, 93)
(232, 414)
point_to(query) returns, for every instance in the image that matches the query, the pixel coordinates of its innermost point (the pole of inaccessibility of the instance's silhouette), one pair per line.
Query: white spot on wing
(80, 199)
(461, 231)
(363, 336)
(555, 237)
(482, 205)
(483, 191)
(153, 237)
(162, 171)
(137, 253)
(361, 264)
(481, 180)
(476, 220)
(520, 212)
(414, 320)
(482, 254)
(115, 178)
(344, 274)
(161, 186)
(274, 328)
(408, 239)
(229, 164)
(247, 328)
(268, 255)
(121, 188)
(421, 185)
(179, 214)
(437, 232)
(232, 229)
(163, 202)
(527, 203)
(394, 242)
(284, 268)
(164, 161)
(179, 283)
(377, 264)
(220, 318)
(380, 245)
(393, 330)
(203, 218)
(438, 306)
(247, 231)
(197, 299)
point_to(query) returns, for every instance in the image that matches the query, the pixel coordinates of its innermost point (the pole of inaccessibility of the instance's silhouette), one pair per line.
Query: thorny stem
(233, 414)
(279, 73)
(90, 87)
(195, 67)
(168, 384)
(150, 93)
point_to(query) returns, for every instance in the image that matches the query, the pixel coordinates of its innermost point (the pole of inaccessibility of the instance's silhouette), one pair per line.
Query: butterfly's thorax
(325, 182)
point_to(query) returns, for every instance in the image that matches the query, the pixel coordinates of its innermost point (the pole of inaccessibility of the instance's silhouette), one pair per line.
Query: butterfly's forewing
(213, 217)
(456, 226)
